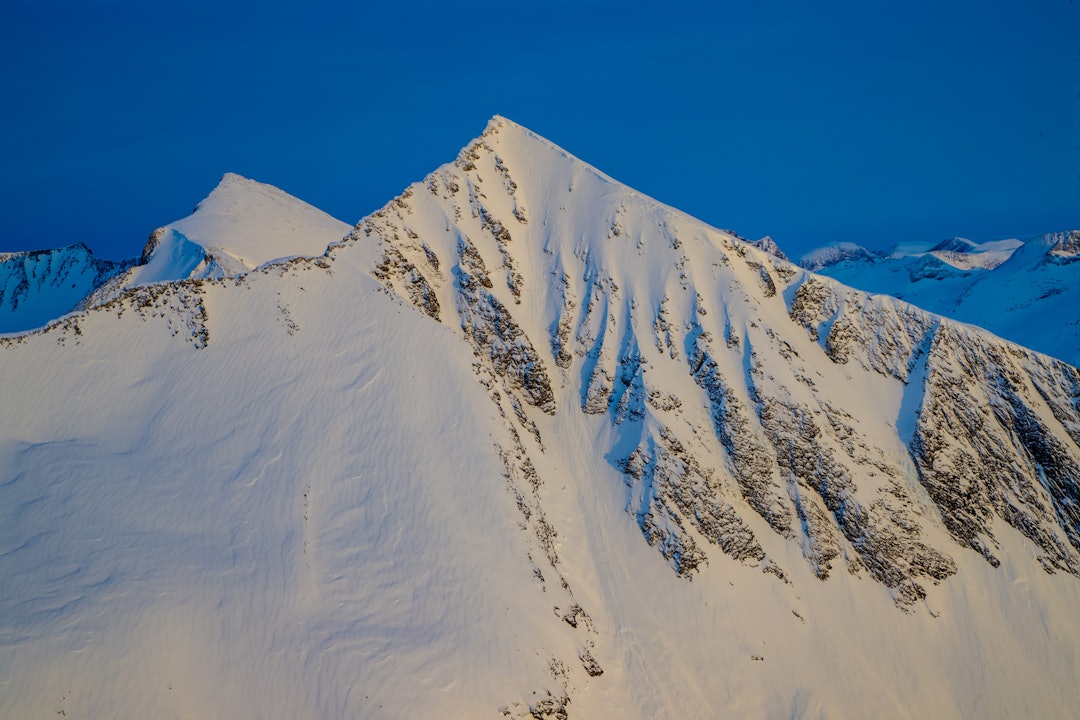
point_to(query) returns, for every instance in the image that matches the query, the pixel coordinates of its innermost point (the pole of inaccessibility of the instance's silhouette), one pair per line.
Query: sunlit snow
(334, 486)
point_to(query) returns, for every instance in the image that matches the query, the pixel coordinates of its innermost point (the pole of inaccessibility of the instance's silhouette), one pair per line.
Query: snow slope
(1028, 292)
(252, 529)
(244, 224)
(529, 444)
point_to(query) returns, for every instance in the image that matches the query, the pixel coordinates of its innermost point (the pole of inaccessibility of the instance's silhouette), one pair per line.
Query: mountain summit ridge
(526, 442)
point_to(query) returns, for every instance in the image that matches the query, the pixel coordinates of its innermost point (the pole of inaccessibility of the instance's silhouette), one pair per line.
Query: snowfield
(527, 443)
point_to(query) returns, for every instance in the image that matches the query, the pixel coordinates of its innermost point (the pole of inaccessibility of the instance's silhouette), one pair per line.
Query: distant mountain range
(1025, 291)
(527, 443)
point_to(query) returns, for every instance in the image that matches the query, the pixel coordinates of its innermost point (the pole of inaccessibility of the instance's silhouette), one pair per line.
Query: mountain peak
(241, 225)
(956, 245)
(499, 121)
(495, 503)
(233, 188)
(834, 254)
(500, 124)
(504, 137)
(37, 286)
(540, 259)
(230, 177)
(252, 223)
(1008, 286)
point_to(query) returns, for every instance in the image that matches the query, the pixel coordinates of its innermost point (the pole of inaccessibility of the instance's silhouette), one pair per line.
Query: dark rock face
(667, 485)
(494, 335)
(983, 451)
(752, 460)
(419, 292)
(768, 245)
(1065, 247)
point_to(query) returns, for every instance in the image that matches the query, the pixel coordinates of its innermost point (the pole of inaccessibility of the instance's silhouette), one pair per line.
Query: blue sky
(870, 122)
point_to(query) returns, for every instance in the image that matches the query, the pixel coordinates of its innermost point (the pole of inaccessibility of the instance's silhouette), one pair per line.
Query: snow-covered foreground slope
(1027, 292)
(304, 518)
(636, 469)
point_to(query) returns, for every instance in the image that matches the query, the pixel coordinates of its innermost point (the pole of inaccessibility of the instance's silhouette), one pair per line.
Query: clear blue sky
(871, 121)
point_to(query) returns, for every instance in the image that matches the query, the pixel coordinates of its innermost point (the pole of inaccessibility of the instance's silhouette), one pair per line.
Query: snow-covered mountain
(41, 285)
(1028, 292)
(241, 225)
(527, 443)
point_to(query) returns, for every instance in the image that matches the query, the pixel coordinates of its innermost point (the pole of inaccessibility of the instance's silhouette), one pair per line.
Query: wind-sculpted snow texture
(527, 443)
